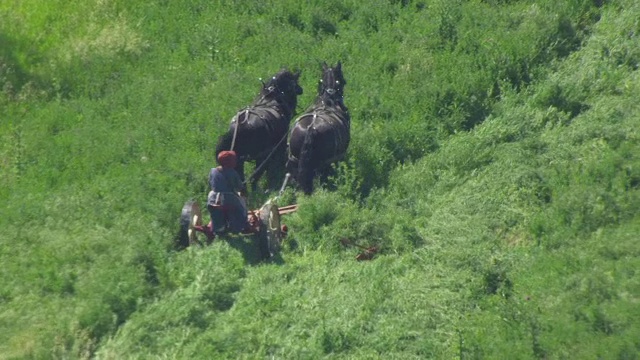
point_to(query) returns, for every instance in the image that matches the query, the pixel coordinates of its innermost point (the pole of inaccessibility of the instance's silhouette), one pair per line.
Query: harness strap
(251, 110)
(256, 110)
(235, 130)
(335, 158)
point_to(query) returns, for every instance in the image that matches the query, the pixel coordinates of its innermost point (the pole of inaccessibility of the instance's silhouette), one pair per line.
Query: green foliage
(494, 164)
(202, 283)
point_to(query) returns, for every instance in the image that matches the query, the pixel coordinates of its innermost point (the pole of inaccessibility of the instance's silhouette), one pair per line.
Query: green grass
(494, 161)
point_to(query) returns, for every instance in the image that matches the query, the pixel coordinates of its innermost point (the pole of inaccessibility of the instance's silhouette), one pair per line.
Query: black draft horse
(258, 132)
(321, 135)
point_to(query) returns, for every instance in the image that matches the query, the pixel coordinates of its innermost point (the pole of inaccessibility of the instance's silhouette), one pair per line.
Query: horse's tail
(306, 165)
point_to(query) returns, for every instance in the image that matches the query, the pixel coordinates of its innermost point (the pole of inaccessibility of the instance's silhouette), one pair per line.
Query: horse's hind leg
(240, 170)
(291, 167)
(263, 166)
(255, 178)
(276, 168)
(326, 174)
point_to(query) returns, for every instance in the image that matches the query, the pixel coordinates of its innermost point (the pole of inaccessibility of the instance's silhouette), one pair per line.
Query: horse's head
(332, 82)
(283, 86)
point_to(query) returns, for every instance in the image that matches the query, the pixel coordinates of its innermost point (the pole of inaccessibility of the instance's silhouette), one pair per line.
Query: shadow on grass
(248, 246)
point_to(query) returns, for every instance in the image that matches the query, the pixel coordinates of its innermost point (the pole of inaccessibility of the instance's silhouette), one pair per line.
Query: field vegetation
(495, 160)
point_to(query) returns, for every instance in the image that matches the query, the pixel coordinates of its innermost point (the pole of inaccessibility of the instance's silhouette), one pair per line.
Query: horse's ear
(324, 66)
(339, 66)
(297, 73)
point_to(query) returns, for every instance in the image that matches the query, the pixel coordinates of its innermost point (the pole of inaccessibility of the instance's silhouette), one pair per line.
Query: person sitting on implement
(225, 184)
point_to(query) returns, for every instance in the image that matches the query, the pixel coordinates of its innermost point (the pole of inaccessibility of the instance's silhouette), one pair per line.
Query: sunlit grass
(494, 163)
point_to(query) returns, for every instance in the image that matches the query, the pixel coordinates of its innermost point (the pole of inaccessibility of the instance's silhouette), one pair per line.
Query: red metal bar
(287, 209)
(207, 230)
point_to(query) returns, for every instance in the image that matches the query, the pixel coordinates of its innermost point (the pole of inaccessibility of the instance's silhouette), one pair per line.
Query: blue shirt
(225, 180)
(224, 184)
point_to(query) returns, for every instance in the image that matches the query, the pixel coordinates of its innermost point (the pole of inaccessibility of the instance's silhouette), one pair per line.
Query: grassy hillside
(495, 160)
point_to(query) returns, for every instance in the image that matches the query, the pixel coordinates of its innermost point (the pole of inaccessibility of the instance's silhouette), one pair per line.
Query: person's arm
(238, 186)
(211, 172)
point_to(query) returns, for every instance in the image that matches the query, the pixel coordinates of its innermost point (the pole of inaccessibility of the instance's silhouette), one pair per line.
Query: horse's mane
(326, 100)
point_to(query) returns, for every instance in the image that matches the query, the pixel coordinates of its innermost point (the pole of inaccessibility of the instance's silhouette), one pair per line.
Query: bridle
(332, 86)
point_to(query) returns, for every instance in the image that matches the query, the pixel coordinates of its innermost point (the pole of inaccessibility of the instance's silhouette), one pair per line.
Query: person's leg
(237, 215)
(217, 219)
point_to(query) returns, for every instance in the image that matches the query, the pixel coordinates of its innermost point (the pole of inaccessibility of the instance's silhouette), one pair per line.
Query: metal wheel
(269, 236)
(191, 216)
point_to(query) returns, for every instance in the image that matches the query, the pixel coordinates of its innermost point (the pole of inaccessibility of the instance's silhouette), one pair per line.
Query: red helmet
(227, 159)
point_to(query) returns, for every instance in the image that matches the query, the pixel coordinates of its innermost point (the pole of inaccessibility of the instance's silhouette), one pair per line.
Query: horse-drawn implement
(264, 224)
